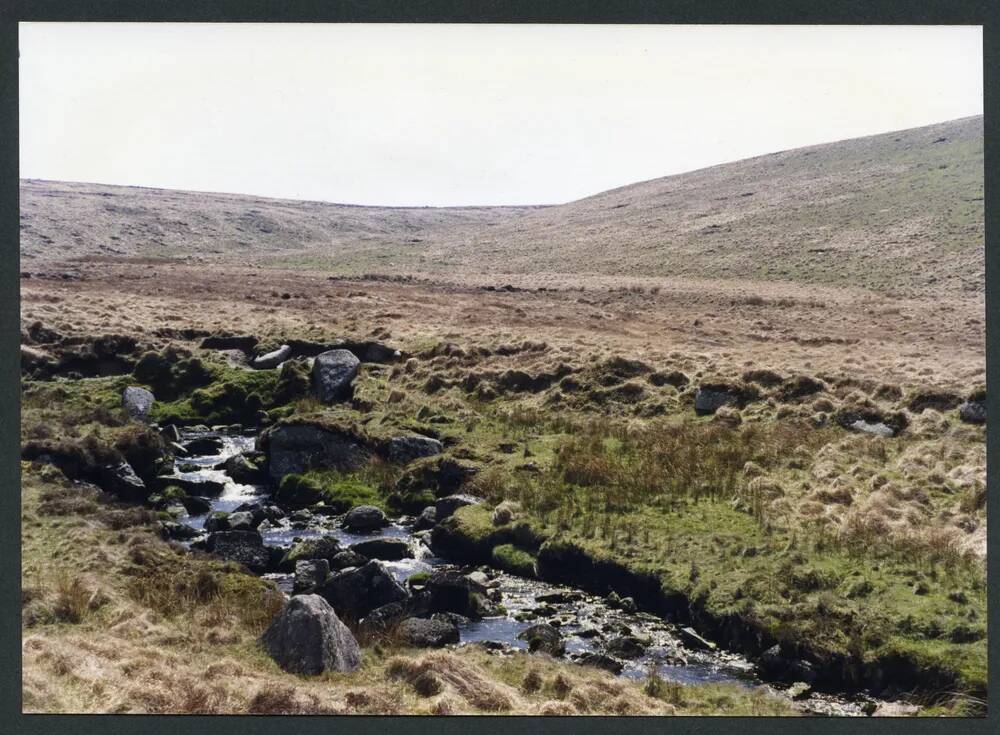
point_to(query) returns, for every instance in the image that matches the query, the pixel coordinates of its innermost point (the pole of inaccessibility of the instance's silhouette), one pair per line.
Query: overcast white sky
(448, 115)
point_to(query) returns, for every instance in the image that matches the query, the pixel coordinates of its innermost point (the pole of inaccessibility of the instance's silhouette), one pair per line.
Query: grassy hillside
(897, 211)
(901, 213)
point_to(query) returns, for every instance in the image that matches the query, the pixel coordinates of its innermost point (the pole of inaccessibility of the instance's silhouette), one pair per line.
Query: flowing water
(585, 620)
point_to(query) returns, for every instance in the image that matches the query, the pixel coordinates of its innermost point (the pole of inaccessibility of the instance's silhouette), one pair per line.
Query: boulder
(348, 558)
(386, 549)
(195, 506)
(404, 449)
(358, 591)
(427, 633)
(137, 402)
(179, 531)
(625, 646)
(243, 547)
(600, 661)
(426, 519)
(272, 359)
(364, 518)
(200, 487)
(381, 618)
(241, 521)
(307, 637)
(973, 412)
(204, 445)
(318, 547)
(545, 638)
(297, 448)
(448, 505)
(120, 479)
(217, 521)
(310, 574)
(243, 470)
(451, 591)
(332, 373)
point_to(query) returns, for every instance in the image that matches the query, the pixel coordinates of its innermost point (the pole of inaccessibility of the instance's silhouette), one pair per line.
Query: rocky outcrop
(137, 402)
(333, 374)
(307, 637)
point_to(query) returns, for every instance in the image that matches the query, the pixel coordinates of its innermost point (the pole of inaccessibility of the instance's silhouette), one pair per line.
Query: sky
(439, 115)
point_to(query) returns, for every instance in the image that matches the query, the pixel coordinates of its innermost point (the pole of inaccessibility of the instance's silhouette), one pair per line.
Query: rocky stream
(235, 517)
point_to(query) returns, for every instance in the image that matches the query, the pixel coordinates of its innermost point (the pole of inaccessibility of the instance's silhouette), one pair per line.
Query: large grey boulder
(307, 637)
(273, 359)
(364, 518)
(403, 449)
(297, 448)
(137, 402)
(427, 633)
(358, 591)
(332, 373)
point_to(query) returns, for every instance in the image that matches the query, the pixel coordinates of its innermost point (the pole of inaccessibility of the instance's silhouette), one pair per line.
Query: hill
(898, 213)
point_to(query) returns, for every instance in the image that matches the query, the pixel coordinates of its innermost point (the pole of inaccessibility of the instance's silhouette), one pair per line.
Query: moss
(224, 394)
(338, 491)
(514, 560)
(297, 491)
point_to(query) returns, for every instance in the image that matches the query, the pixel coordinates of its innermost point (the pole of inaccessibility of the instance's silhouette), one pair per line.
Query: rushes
(613, 469)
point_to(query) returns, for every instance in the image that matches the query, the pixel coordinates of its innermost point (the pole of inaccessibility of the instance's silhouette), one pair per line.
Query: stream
(585, 620)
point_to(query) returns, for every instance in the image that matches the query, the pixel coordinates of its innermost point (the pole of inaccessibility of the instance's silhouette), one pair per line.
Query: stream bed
(585, 620)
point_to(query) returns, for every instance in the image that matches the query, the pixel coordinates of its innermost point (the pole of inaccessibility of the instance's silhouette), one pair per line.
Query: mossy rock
(298, 491)
(514, 560)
